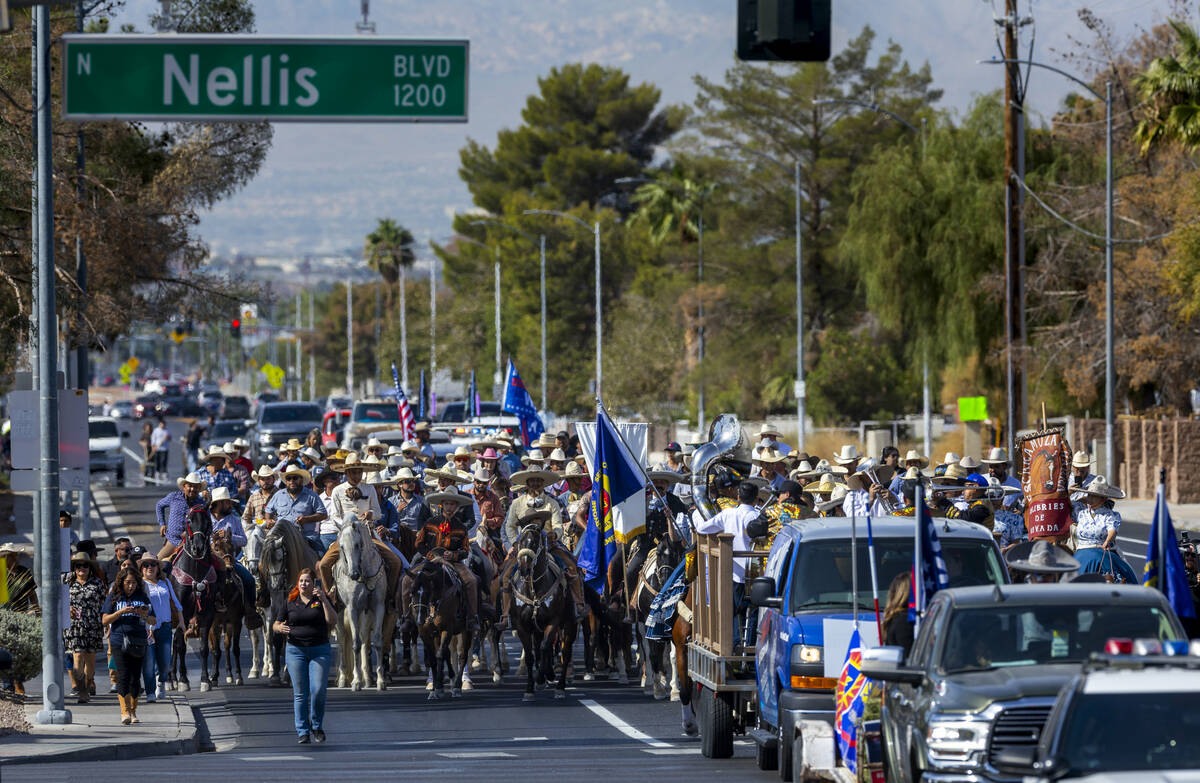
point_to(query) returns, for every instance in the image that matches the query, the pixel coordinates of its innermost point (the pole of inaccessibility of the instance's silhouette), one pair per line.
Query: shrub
(21, 635)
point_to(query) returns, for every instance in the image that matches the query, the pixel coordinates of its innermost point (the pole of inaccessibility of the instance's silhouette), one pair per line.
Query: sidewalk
(1184, 516)
(95, 733)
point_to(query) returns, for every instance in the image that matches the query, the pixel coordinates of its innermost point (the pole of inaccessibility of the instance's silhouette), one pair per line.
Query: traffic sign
(251, 77)
(133, 362)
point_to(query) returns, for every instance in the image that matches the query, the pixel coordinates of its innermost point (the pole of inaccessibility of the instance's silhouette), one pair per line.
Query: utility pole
(297, 387)
(1014, 164)
(404, 329)
(432, 336)
(312, 350)
(80, 259)
(349, 339)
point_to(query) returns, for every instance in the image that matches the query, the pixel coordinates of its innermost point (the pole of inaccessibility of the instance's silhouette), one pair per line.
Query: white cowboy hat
(9, 548)
(669, 476)
(405, 474)
(997, 456)
(394, 451)
(398, 461)
(503, 440)
(461, 452)
(523, 476)
(215, 451)
(767, 430)
(481, 474)
(312, 454)
(970, 463)
(482, 445)
(408, 446)
(354, 461)
(1041, 557)
(848, 454)
(441, 498)
(1081, 459)
(575, 470)
(220, 493)
(191, 478)
(305, 476)
(800, 471)
(533, 455)
(950, 458)
(292, 445)
(820, 469)
(915, 456)
(374, 442)
(546, 441)
(241, 443)
(558, 455)
(1100, 486)
(836, 498)
(380, 478)
(230, 450)
(264, 471)
(769, 455)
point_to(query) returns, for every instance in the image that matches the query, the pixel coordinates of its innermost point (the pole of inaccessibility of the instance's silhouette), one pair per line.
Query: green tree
(388, 248)
(1171, 85)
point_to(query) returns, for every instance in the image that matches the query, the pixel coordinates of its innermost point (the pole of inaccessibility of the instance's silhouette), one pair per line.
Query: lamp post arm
(559, 214)
(1033, 64)
(759, 153)
(875, 107)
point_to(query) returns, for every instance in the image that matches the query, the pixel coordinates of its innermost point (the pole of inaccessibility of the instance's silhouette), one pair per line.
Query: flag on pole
(617, 512)
(851, 690)
(518, 402)
(929, 566)
(1164, 565)
(4, 597)
(473, 397)
(424, 395)
(407, 422)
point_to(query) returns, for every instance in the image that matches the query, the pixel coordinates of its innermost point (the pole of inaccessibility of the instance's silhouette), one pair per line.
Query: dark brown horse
(543, 614)
(194, 578)
(437, 613)
(230, 614)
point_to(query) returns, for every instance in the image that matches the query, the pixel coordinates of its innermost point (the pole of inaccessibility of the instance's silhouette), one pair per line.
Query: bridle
(368, 581)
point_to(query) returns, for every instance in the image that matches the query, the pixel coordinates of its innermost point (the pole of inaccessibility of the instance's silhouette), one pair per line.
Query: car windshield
(103, 429)
(1155, 732)
(227, 429)
(1013, 635)
(376, 411)
(453, 412)
(822, 578)
(297, 412)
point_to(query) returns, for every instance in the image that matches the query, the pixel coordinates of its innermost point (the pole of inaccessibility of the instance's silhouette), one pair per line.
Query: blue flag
(929, 565)
(518, 402)
(618, 508)
(1167, 575)
(421, 400)
(850, 699)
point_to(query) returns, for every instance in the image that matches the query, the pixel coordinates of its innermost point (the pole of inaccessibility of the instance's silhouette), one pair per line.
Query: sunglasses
(149, 565)
(81, 565)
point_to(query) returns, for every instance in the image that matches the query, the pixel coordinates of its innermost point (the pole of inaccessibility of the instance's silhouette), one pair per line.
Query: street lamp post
(498, 376)
(595, 229)
(540, 241)
(801, 391)
(1110, 371)
(926, 396)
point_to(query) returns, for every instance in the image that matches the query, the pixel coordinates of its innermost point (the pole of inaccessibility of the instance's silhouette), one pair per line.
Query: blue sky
(323, 186)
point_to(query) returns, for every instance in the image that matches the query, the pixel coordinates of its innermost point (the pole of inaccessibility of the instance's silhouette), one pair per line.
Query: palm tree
(671, 205)
(389, 247)
(1172, 86)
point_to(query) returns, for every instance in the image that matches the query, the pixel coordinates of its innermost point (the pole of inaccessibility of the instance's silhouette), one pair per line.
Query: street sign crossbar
(251, 77)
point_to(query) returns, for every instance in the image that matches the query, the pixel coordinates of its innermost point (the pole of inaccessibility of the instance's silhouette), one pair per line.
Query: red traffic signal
(235, 328)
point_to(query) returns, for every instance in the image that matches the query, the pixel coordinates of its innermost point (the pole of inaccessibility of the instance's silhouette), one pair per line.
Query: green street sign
(251, 77)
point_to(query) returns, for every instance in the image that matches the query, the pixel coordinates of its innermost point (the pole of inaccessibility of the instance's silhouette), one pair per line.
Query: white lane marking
(479, 755)
(672, 751)
(609, 717)
(413, 742)
(530, 739)
(275, 758)
(1133, 541)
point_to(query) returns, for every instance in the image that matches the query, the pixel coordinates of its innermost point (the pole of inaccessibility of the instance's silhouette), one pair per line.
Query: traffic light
(795, 30)
(235, 329)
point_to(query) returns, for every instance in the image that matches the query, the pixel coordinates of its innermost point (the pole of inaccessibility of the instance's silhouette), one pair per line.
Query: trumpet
(886, 497)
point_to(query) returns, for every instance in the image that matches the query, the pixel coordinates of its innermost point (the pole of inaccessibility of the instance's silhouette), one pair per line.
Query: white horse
(251, 555)
(361, 578)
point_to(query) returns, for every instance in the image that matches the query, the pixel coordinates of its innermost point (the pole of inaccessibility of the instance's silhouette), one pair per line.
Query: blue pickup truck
(808, 580)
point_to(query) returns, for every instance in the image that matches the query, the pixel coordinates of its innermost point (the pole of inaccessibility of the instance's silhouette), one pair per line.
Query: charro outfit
(521, 506)
(451, 538)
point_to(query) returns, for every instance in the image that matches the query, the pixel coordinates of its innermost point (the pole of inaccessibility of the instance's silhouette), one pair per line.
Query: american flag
(407, 422)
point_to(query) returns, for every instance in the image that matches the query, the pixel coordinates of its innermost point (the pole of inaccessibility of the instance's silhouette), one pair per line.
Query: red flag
(1045, 461)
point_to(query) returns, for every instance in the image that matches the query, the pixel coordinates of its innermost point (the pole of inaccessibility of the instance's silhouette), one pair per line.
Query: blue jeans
(158, 658)
(308, 667)
(327, 540)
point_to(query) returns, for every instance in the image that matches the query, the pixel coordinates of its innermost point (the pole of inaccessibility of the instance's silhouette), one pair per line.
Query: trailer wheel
(717, 741)
(786, 757)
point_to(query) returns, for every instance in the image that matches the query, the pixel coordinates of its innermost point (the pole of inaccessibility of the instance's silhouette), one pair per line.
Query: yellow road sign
(133, 362)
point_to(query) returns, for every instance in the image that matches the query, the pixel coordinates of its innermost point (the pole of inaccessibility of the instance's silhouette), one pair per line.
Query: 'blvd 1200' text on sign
(232, 77)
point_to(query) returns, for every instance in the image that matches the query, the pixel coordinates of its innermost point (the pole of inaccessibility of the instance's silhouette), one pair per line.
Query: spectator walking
(167, 611)
(84, 637)
(191, 445)
(128, 615)
(160, 445)
(309, 617)
(147, 449)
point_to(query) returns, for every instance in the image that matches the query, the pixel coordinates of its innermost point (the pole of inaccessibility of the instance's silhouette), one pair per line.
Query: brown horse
(230, 614)
(436, 610)
(681, 634)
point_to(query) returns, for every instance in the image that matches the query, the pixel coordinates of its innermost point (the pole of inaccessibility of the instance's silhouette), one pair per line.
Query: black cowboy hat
(88, 547)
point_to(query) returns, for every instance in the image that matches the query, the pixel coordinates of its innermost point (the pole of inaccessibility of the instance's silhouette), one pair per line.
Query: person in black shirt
(128, 614)
(309, 616)
(897, 628)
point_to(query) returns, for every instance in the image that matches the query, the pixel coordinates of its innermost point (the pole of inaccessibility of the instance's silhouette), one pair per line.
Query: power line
(1092, 234)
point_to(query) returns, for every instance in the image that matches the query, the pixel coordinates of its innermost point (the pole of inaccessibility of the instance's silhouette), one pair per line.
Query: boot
(133, 718)
(91, 683)
(125, 718)
(506, 608)
(81, 687)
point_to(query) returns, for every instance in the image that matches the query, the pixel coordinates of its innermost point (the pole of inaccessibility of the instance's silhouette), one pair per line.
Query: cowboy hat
(372, 462)
(536, 515)
(950, 458)
(1081, 459)
(997, 456)
(82, 557)
(575, 470)
(408, 446)
(558, 455)
(264, 471)
(9, 548)
(241, 443)
(836, 498)
(820, 469)
(380, 478)
(397, 461)
(295, 470)
(292, 445)
(312, 454)
(769, 455)
(230, 450)
(826, 484)
(669, 476)
(220, 493)
(374, 443)
(915, 456)
(800, 471)
(441, 498)
(394, 451)
(482, 474)
(546, 441)
(421, 426)
(354, 461)
(503, 440)
(405, 474)
(1041, 557)
(768, 431)
(462, 452)
(191, 478)
(1100, 486)
(523, 476)
(533, 455)
(757, 481)
(215, 451)
(484, 445)
(489, 453)
(848, 454)
(970, 463)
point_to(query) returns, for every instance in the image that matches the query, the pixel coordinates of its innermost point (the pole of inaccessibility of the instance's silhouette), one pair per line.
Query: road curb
(185, 742)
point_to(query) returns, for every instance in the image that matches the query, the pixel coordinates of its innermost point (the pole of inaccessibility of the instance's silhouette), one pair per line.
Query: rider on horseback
(444, 540)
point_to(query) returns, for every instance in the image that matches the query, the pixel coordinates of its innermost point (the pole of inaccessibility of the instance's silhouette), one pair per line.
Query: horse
(193, 578)
(284, 554)
(251, 555)
(362, 587)
(485, 561)
(681, 634)
(543, 613)
(230, 612)
(652, 578)
(437, 603)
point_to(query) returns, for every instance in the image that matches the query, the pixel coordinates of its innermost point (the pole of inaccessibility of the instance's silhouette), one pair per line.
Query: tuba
(727, 444)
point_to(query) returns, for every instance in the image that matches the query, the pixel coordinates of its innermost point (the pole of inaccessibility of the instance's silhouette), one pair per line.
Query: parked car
(276, 422)
(147, 405)
(210, 401)
(332, 425)
(105, 448)
(987, 666)
(1157, 699)
(235, 407)
(260, 399)
(224, 431)
(122, 409)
